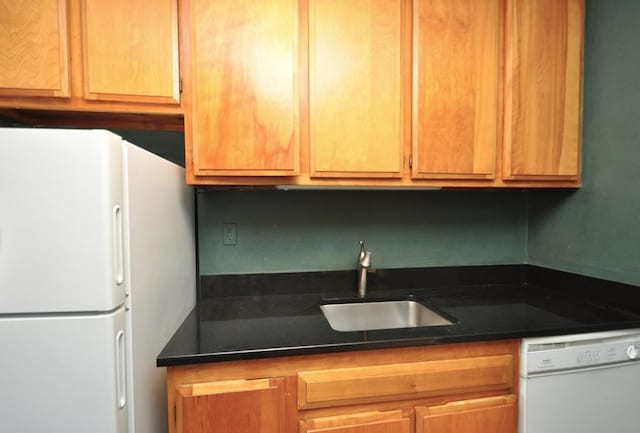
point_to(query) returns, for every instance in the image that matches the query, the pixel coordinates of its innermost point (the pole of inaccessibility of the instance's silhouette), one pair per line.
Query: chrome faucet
(364, 263)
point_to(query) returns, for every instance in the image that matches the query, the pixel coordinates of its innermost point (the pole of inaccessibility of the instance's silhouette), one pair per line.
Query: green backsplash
(282, 231)
(596, 230)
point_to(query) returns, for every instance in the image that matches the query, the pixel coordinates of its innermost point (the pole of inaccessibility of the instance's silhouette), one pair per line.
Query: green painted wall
(596, 230)
(281, 231)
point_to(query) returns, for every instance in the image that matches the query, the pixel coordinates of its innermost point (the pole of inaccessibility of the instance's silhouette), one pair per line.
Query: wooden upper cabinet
(238, 406)
(542, 89)
(359, 87)
(455, 88)
(34, 48)
(243, 117)
(130, 50)
(482, 415)
(394, 421)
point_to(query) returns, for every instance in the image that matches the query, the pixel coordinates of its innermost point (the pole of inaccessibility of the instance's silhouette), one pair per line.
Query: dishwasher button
(632, 352)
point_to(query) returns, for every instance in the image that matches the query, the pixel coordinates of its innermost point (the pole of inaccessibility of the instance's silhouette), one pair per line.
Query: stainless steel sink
(370, 315)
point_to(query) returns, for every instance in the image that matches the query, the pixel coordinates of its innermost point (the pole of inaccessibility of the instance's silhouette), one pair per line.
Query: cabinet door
(456, 88)
(359, 72)
(34, 47)
(542, 89)
(239, 406)
(243, 114)
(369, 422)
(483, 415)
(130, 50)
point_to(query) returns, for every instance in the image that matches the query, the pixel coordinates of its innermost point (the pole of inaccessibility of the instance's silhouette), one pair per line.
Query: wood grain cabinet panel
(542, 89)
(359, 84)
(326, 388)
(34, 48)
(239, 406)
(370, 422)
(130, 50)
(483, 415)
(243, 60)
(456, 88)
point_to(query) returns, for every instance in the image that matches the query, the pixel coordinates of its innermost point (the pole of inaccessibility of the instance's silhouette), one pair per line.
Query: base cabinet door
(482, 415)
(237, 406)
(395, 421)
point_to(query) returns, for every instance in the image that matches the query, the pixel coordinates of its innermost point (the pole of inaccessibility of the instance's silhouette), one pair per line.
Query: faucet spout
(364, 263)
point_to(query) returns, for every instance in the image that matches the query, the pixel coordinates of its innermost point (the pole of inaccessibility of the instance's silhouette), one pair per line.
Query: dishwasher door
(603, 399)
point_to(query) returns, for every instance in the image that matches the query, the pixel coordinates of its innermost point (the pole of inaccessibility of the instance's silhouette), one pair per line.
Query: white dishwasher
(585, 383)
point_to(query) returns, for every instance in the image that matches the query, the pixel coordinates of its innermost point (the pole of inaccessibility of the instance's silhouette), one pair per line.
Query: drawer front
(395, 421)
(333, 387)
(491, 414)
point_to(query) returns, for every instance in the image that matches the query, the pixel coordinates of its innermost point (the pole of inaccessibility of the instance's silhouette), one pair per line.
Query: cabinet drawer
(326, 388)
(396, 421)
(490, 414)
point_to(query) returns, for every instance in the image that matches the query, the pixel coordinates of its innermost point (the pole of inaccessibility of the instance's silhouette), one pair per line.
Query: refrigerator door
(61, 221)
(63, 374)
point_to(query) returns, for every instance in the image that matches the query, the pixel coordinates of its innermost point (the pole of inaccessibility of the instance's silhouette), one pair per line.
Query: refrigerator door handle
(121, 377)
(118, 243)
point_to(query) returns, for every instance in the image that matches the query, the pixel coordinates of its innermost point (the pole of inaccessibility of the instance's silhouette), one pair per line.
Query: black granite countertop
(259, 316)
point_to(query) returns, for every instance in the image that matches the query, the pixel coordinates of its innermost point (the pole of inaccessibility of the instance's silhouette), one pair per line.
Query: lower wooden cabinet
(395, 421)
(378, 383)
(238, 406)
(457, 388)
(483, 415)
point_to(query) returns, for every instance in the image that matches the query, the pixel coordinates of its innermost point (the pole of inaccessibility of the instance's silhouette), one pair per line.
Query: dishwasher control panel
(540, 355)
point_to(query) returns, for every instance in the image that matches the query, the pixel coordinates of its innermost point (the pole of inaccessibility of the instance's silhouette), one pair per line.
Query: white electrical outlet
(229, 234)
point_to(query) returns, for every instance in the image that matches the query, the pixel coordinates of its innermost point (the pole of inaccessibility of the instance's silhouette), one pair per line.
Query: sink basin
(369, 315)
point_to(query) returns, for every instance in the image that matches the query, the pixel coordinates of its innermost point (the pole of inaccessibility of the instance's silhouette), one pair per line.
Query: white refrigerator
(97, 271)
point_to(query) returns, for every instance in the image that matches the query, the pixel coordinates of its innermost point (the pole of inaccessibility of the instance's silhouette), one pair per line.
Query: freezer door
(63, 374)
(61, 219)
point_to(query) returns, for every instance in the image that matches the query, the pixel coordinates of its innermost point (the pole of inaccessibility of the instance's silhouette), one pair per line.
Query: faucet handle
(365, 262)
(364, 258)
